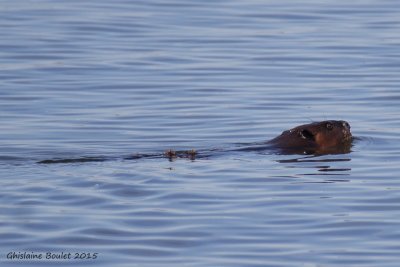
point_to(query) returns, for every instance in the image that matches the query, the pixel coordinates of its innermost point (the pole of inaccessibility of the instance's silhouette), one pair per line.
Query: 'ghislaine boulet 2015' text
(49, 256)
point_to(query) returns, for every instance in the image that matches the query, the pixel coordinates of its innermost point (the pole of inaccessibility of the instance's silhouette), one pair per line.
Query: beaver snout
(346, 131)
(345, 124)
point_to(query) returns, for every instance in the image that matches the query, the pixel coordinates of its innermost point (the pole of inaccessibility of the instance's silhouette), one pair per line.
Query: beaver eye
(329, 126)
(305, 134)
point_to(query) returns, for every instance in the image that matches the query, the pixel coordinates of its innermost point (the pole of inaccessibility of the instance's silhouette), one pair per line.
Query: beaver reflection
(325, 137)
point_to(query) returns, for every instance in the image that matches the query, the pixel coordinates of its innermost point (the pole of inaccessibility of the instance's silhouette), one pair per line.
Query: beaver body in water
(325, 137)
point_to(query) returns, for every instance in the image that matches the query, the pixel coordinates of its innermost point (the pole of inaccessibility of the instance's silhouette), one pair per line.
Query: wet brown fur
(317, 137)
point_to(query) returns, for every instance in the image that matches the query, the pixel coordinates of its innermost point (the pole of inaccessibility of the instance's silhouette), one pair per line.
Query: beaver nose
(345, 124)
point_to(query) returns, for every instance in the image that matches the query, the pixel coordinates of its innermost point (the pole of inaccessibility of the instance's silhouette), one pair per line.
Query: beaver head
(318, 137)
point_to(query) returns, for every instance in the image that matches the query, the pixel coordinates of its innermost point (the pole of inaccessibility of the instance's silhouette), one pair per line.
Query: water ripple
(112, 79)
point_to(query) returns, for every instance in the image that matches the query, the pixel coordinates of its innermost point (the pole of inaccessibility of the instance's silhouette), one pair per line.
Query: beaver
(318, 138)
(325, 137)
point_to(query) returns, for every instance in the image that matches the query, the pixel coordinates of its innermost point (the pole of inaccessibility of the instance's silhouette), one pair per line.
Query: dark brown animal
(323, 137)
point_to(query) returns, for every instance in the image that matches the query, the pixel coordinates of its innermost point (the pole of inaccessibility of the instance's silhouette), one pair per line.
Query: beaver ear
(306, 134)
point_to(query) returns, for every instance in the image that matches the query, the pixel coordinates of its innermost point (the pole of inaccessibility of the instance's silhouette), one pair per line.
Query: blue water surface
(116, 78)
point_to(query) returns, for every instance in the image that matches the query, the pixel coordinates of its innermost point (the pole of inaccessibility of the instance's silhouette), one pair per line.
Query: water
(116, 78)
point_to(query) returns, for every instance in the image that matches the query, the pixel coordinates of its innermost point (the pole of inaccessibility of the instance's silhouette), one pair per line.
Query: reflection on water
(107, 80)
(311, 162)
